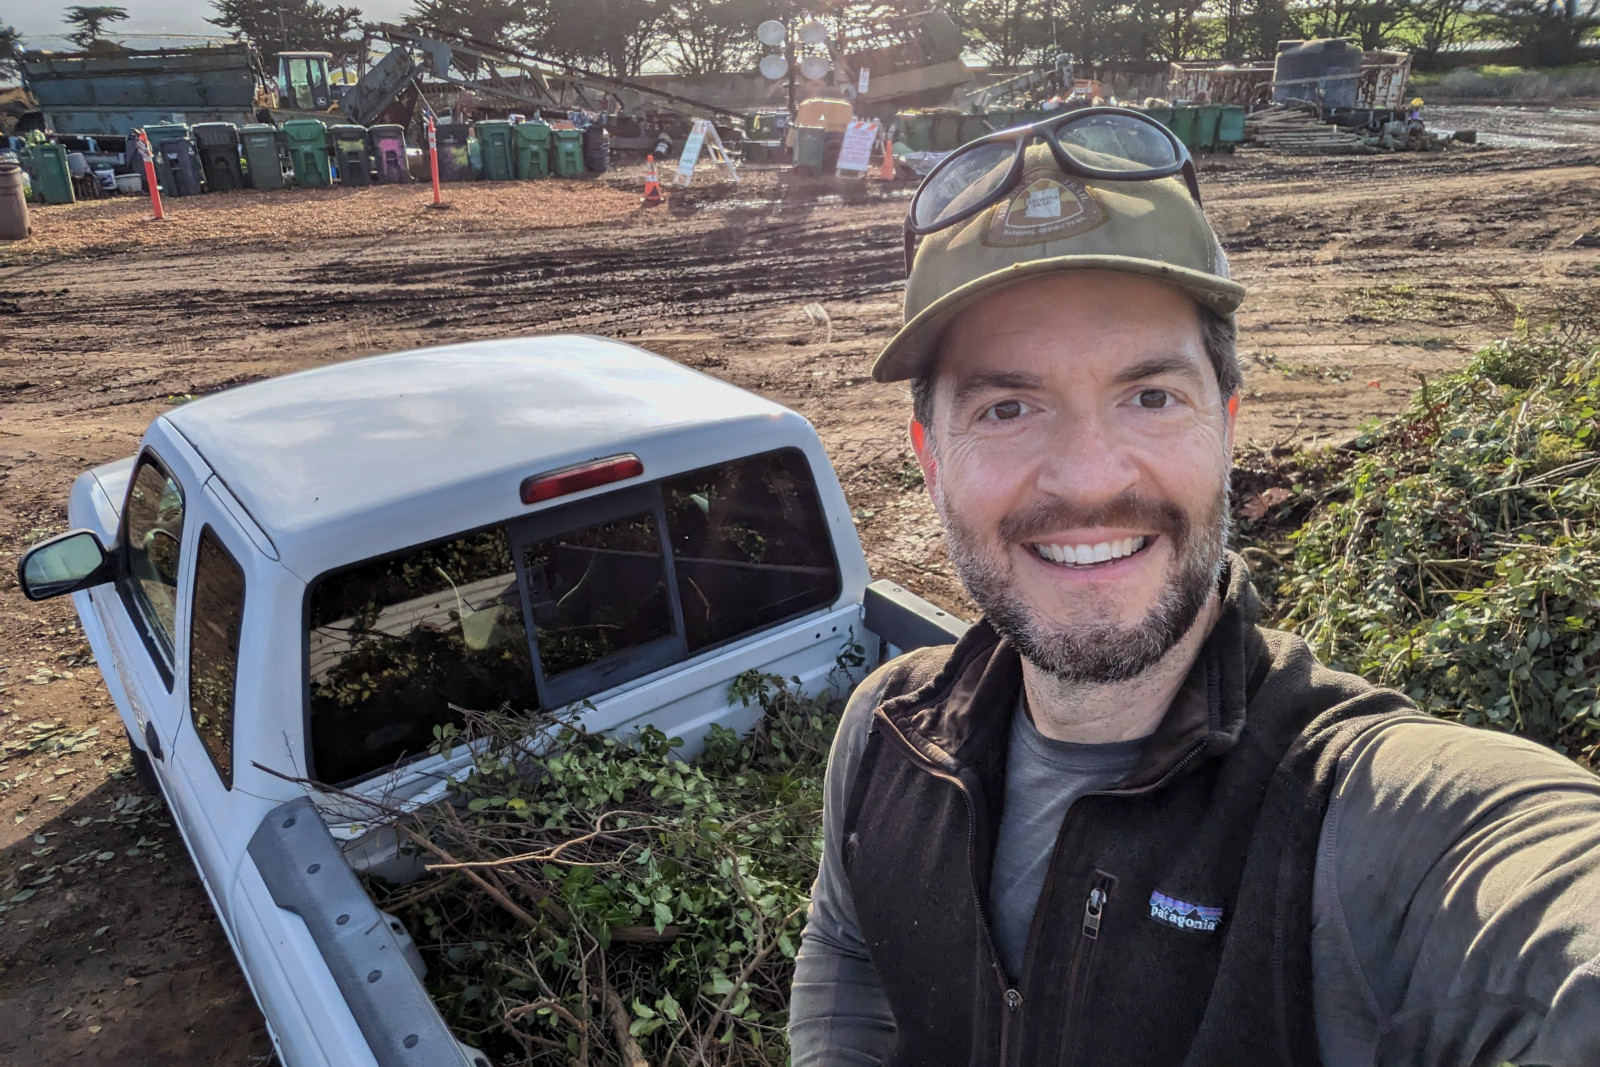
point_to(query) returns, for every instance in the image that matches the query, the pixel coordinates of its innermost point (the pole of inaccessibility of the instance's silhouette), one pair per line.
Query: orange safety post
(433, 159)
(150, 175)
(886, 172)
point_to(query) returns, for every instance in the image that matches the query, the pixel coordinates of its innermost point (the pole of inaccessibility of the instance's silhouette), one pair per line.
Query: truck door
(216, 559)
(141, 619)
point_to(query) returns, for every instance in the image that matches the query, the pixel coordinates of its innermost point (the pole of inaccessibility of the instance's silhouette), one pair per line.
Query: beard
(1094, 651)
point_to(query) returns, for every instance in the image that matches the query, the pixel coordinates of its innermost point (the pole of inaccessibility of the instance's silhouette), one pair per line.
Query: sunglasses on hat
(1100, 143)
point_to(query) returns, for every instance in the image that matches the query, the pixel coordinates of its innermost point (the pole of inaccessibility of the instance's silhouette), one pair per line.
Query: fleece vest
(1174, 925)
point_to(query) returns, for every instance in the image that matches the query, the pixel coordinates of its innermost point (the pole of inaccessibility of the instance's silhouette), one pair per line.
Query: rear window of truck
(547, 610)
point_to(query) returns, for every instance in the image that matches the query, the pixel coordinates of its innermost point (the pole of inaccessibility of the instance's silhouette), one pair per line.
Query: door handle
(152, 740)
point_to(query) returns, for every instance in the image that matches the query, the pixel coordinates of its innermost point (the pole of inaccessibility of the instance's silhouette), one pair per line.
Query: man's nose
(1086, 463)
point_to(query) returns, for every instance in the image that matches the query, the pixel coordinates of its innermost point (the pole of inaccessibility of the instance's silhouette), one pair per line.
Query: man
(1119, 822)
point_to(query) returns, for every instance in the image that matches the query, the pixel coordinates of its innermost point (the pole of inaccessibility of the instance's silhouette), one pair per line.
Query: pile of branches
(1457, 559)
(609, 903)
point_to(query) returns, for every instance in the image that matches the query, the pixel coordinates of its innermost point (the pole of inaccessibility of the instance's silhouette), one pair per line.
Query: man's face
(1079, 457)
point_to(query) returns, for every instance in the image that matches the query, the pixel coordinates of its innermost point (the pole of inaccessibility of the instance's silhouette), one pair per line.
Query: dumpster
(177, 167)
(916, 130)
(52, 176)
(455, 164)
(974, 127)
(350, 154)
(810, 145)
(596, 148)
(947, 131)
(1205, 126)
(1183, 124)
(218, 146)
(308, 151)
(494, 147)
(569, 153)
(261, 158)
(1162, 115)
(532, 142)
(1230, 126)
(389, 150)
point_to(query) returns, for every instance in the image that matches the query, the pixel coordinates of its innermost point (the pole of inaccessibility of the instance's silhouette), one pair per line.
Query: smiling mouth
(1087, 556)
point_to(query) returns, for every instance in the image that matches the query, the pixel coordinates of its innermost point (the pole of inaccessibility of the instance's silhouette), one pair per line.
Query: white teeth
(1080, 555)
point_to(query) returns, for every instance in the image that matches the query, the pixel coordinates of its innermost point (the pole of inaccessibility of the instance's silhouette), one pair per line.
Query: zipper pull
(1091, 912)
(1013, 1000)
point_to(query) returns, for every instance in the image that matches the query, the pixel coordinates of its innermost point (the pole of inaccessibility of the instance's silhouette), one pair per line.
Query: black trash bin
(177, 167)
(455, 163)
(596, 148)
(350, 154)
(218, 145)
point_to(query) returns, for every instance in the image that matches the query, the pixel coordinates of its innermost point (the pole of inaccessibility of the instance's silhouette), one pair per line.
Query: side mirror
(64, 564)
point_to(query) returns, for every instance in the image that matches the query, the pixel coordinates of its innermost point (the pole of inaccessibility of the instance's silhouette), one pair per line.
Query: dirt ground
(1365, 273)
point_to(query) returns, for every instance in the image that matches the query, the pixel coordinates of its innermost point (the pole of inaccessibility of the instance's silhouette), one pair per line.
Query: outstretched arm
(1457, 903)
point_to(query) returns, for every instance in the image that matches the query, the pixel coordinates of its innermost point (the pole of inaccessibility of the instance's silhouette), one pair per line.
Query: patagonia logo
(1182, 914)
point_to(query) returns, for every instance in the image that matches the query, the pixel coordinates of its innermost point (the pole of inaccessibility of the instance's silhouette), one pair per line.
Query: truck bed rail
(307, 875)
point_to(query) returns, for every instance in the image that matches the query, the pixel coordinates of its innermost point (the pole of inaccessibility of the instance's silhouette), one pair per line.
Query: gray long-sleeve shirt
(1456, 908)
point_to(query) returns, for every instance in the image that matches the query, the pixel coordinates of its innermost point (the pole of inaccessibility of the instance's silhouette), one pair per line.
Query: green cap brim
(910, 349)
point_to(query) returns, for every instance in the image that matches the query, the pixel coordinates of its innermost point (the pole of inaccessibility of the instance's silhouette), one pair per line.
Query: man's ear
(922, 447)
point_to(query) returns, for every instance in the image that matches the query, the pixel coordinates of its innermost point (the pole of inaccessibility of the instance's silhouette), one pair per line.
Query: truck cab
(293, 584)
(303, 83)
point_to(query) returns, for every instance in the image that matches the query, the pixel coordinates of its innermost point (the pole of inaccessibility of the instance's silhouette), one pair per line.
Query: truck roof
(356, 459)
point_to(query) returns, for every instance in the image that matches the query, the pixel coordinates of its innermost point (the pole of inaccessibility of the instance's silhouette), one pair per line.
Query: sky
(41, 24)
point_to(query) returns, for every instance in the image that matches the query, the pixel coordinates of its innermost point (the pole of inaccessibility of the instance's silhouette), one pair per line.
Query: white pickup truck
(294, 580)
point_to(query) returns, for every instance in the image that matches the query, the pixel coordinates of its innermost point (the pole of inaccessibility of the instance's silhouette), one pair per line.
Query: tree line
(625, 37)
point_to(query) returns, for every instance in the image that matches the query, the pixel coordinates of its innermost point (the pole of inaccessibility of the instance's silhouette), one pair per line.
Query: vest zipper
(1009, 995)
(1081, 968)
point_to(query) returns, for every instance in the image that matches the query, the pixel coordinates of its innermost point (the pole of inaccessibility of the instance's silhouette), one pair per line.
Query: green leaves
(683, 886)
(1459, 559)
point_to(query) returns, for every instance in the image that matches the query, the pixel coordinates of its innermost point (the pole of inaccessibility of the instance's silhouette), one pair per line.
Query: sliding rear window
(559, 606)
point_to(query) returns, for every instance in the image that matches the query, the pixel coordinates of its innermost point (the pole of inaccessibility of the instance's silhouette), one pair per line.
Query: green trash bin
(52, 178)
(810, 146)
(1183, 124)
(569, 153)
(351, 154)
(1162, 115)
(308, 151)
(1230, 126)
(494, 142)
(47, 165)
(532, 143)
(263, 164)
(1205, 126)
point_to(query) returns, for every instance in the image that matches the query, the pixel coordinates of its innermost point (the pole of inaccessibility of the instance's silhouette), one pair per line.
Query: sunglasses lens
(1116, 143)
(966, 178)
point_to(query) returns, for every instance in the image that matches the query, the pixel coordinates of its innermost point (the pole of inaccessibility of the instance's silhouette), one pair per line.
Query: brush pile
(1458, 557)
(612, 904)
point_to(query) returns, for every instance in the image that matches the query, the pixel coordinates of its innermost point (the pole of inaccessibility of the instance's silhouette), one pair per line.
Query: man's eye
(1154, 398)
(1005, 410)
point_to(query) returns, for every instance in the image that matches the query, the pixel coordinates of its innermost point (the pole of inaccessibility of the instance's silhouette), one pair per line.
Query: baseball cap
(1055, 221)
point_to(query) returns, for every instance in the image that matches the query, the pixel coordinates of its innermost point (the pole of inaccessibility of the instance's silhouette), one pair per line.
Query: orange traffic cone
(887, 172)
(652, 184)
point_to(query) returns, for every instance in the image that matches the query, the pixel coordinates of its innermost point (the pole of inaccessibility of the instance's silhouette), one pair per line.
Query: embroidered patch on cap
(1182, 914)
(1044, 210)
